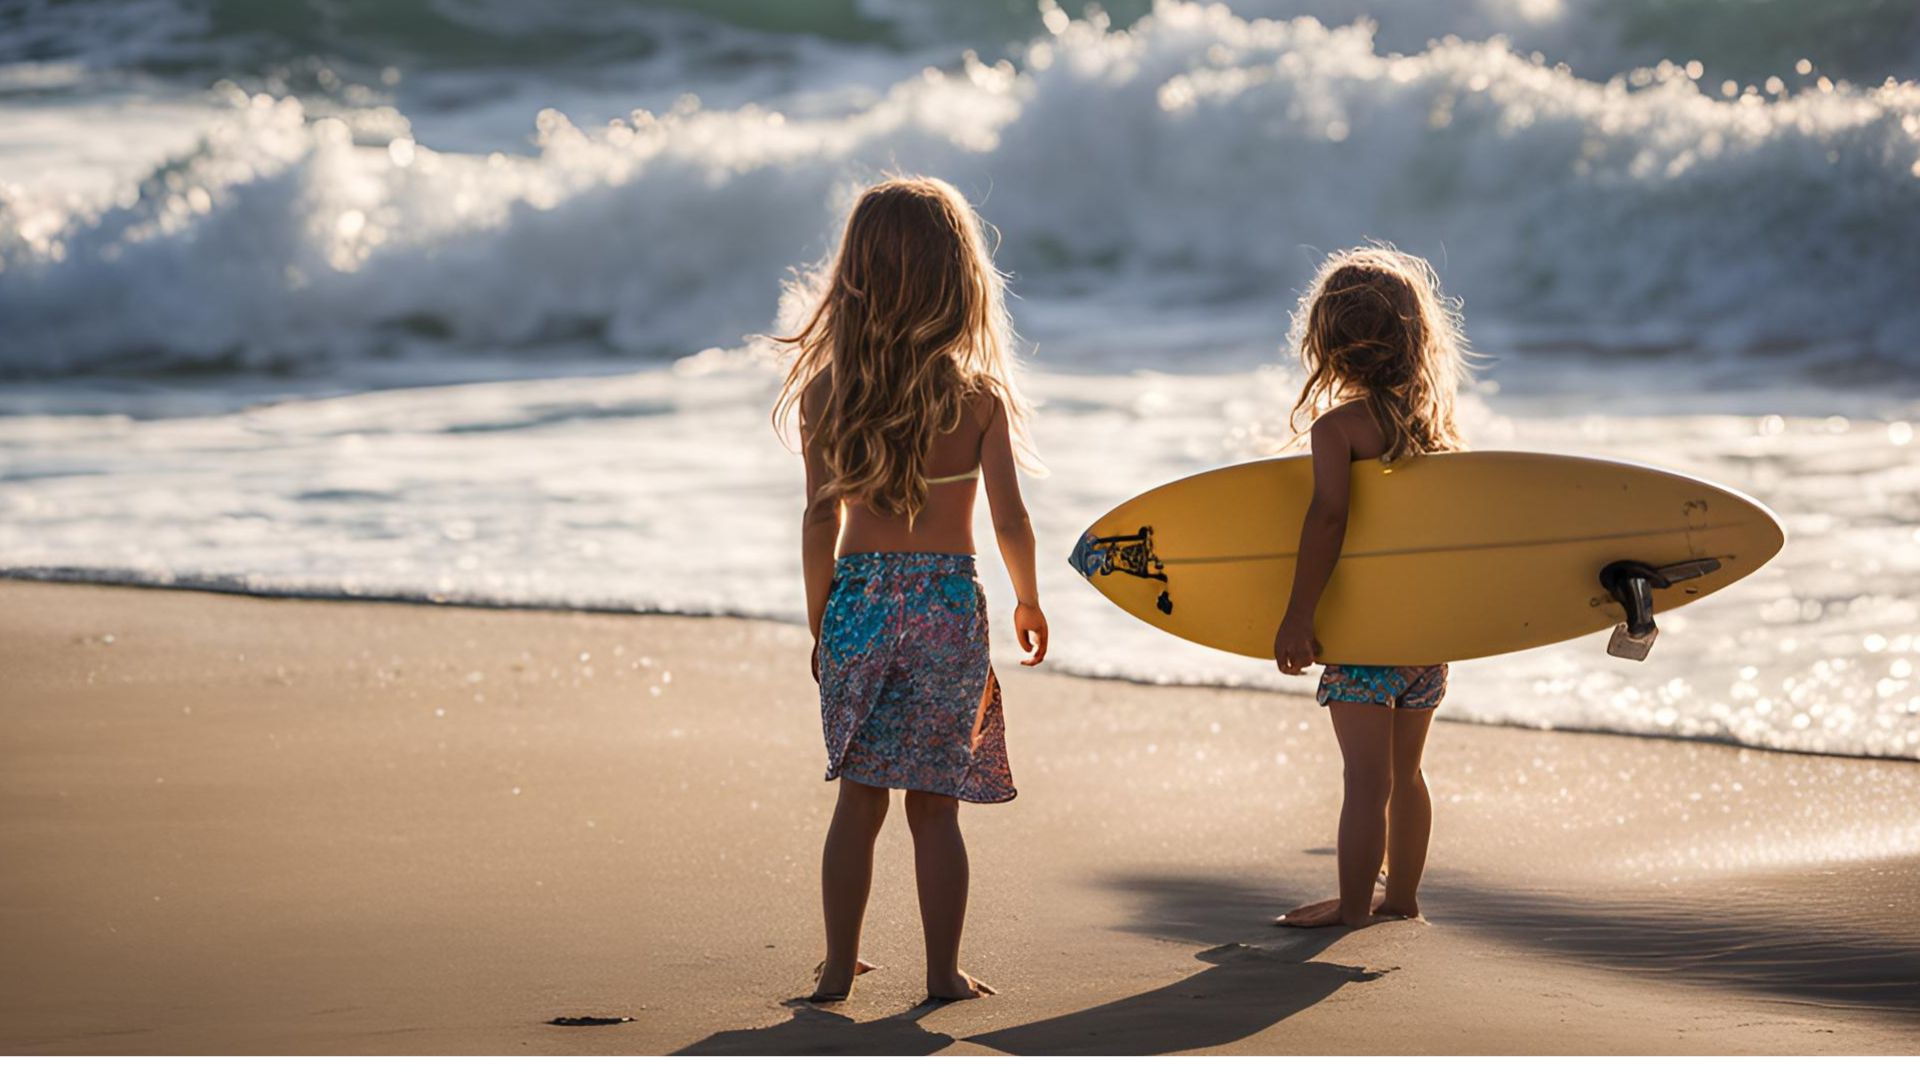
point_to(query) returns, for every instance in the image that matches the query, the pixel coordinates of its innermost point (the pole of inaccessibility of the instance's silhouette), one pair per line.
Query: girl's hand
(1030, 626)
(816, 660)
(1294, 648)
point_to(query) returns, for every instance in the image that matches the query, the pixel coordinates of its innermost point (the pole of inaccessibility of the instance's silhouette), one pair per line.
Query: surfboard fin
(1631, 585)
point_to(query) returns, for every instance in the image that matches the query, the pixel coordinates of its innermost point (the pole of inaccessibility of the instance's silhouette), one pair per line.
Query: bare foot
(825, 992)
(1327, 913)
(1390, 910)
(960, 987)
(1306, 916)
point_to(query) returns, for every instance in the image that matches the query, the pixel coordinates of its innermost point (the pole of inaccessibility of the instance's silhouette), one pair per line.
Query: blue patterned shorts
(1397, 687)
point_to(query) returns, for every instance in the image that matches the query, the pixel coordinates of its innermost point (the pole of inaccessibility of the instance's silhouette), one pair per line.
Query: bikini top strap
(955, 478)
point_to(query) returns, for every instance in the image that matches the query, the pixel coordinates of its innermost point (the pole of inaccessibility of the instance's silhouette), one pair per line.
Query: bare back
(978, 448)
(945, 523)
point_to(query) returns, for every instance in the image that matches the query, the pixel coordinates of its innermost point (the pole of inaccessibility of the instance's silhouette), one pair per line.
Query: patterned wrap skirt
(908, 698)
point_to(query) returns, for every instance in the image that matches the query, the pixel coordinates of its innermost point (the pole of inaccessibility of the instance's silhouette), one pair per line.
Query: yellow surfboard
(1446, 557)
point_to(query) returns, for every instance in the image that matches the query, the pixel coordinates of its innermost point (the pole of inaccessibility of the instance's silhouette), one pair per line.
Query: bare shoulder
(1346, 415)
(1343, 421)
(1351, 423)
(982, 406)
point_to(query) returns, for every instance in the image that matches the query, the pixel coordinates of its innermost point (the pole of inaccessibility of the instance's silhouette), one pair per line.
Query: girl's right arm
(819, 526)
(1014, 531)
(1322, 533)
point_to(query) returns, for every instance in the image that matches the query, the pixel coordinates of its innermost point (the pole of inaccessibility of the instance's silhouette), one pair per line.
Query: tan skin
(831, 528)
(1385, 812)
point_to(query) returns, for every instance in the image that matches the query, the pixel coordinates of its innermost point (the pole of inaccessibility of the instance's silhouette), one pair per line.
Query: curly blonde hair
(911, 324)
(1374, 326)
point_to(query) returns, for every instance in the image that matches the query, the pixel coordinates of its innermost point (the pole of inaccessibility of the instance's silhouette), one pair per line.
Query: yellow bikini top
(955, 478)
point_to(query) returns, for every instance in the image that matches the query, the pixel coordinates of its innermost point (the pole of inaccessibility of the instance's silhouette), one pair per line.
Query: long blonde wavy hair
(1374, 326)
(911, 325)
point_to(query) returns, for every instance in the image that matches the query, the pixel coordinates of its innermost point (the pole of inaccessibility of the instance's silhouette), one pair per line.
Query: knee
(865, 805)
(1369, 788)
(926, 811)
(1411, 781)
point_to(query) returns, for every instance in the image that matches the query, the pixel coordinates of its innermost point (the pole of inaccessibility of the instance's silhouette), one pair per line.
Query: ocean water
(454, 300)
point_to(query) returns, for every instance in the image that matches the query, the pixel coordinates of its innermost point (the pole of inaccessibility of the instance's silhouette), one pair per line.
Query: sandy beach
(235, 825)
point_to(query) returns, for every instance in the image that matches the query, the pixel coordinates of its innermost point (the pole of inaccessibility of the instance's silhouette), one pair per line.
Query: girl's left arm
(1014, 530)
(1321, 535)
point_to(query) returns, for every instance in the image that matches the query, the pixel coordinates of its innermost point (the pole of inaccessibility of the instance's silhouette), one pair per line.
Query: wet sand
(233, 825)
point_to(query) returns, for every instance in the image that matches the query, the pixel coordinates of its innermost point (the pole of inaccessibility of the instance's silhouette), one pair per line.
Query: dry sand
(255, 826)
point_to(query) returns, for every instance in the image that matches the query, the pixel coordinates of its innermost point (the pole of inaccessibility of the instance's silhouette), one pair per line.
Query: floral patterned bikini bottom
(1395, 687)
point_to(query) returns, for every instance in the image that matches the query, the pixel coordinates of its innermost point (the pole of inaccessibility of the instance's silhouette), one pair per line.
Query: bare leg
(846, 876)
(940, 870)
(1409, 814)
(1365, 733)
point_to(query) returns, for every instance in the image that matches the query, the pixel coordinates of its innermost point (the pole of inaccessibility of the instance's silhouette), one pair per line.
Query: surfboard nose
(1088, 558)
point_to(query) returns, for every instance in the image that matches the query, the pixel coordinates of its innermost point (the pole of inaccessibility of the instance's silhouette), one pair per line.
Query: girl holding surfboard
(1384, 353)
(904, 390)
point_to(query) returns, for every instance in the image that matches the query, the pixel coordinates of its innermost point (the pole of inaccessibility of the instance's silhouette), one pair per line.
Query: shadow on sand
(817, 1031)
(1747, 945)
(1247, 989)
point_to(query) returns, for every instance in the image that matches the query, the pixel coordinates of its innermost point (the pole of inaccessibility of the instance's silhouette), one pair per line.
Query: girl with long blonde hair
(1384, 354)
(903, 385)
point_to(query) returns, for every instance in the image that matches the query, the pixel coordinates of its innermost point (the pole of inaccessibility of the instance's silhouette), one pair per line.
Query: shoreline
(106, 580)
(245, 826)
